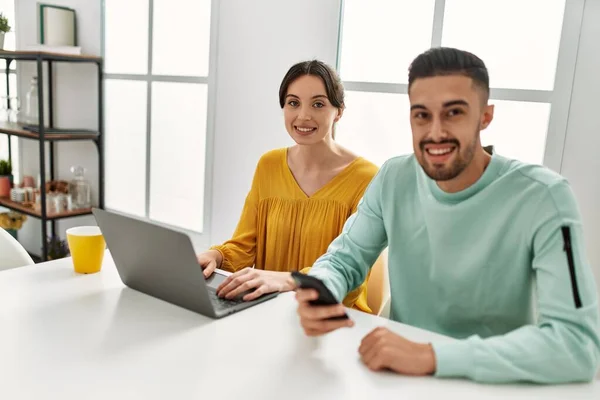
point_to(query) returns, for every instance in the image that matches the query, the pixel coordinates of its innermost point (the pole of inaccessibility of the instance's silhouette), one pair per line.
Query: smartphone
(326, 298)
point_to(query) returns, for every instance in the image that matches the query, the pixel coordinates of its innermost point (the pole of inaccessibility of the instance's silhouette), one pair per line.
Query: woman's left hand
(260, 281)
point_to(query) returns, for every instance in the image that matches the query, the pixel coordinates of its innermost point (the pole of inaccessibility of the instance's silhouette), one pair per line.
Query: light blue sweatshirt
(500, 265)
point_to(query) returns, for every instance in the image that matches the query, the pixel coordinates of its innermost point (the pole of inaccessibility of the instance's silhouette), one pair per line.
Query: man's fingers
(317, 332)
(373, 337)
(368, 353)
(315, 319)
(325, 326)
(304, 295)
(320, 312)
(374, 353)
(374, 362)
(313, 332)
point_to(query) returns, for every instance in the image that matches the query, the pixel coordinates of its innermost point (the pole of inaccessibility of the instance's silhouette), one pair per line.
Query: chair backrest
(378, 289)
(12, 254)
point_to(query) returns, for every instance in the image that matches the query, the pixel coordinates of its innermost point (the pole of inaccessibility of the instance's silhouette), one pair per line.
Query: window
(522, 62)
(520, 57)
(7, 7)
(401, 30)
(384, 116)
(156, 109)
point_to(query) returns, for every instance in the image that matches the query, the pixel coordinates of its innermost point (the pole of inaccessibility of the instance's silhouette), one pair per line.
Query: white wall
(581, 164)
(258, 41)
(75, 105)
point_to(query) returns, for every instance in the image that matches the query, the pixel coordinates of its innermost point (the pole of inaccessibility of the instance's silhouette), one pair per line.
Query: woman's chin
(307, 139)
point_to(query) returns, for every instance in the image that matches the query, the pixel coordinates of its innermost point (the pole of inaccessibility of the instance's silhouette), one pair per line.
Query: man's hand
(209, 261)
(314, 318)
(383, 349)
(261, 282)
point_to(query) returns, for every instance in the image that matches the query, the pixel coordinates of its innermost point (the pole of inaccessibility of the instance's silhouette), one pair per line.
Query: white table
(68, 336)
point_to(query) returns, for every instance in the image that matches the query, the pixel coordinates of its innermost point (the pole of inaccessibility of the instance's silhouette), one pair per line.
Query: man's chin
(440, 173)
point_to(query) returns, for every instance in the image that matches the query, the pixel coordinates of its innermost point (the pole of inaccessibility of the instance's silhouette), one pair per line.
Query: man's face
(446, 115)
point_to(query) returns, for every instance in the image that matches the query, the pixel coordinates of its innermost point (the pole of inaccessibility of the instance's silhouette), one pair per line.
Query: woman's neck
(315, 157)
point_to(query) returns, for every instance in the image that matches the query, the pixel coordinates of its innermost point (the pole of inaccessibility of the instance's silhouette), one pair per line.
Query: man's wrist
(429, 360)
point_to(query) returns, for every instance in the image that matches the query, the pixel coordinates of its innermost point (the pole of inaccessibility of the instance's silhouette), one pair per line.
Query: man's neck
(469, 176)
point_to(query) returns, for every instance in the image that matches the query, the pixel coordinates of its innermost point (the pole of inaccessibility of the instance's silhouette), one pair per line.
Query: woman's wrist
(288, 283)
(217, 256)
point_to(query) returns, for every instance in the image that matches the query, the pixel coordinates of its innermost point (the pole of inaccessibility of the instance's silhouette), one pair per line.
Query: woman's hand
(209, 261)
(260, 281)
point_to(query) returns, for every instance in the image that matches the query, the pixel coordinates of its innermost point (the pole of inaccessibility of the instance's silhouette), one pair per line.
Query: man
(469, 234)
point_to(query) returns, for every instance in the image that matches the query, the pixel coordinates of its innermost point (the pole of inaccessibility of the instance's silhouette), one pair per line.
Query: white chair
(12, 254)
(378, 289)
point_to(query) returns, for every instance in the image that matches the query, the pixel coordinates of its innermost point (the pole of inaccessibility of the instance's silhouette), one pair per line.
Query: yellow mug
(86, 245)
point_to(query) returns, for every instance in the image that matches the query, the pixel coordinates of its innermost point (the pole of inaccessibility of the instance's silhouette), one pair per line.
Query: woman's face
(309, 115)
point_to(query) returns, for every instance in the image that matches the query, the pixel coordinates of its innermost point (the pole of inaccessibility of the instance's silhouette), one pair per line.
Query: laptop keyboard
(221, 302)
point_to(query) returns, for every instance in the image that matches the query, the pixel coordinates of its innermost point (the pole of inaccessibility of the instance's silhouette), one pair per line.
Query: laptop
(161, 262)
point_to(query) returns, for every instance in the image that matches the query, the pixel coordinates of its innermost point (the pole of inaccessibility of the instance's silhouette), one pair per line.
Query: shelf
(15, 129)
(37, 56)
(45, 56)
(7, 203)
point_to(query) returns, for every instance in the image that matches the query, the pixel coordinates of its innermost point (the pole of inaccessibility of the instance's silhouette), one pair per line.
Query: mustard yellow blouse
(283, 229)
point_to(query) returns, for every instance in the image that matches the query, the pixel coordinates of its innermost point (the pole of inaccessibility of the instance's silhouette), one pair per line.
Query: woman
(300, 197)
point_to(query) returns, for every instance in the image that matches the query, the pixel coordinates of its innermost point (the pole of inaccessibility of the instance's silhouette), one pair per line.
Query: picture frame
(57, 25)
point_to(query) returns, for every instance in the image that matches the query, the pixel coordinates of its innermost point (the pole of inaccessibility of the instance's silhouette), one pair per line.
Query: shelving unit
(52, 135)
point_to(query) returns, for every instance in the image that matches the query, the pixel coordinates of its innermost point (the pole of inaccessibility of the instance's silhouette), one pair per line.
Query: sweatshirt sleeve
(564, 345)
(351, 255)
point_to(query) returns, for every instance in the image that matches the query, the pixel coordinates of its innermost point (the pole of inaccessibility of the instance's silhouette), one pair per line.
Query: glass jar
(80, 189)
(31, 109)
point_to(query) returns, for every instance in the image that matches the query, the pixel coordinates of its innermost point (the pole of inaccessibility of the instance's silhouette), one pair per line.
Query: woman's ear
(340, 112)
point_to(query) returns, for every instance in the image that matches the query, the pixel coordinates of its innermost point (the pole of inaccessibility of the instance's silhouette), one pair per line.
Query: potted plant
(6, 178)
(4, 27)
(57, 248)
(12, 221)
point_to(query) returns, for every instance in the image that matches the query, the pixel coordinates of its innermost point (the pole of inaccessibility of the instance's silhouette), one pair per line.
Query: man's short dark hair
(441, 61)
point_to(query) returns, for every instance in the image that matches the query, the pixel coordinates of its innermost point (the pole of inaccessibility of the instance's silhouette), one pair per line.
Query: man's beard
(462, 159)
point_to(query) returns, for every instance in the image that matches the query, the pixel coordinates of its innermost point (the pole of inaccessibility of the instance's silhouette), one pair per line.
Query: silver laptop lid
(155, 260)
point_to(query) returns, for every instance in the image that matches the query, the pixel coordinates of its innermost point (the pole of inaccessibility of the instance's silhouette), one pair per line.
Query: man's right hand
(209, 261)
(314, 318)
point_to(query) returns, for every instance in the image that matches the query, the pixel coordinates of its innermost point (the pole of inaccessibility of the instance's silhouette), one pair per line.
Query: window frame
(559, 98)
(200, 239)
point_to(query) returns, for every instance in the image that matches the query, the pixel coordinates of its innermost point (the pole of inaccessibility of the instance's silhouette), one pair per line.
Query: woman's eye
(293, 103)
(318, 105)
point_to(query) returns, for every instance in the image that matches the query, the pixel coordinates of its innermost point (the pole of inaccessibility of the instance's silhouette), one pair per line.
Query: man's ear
(487, 116)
